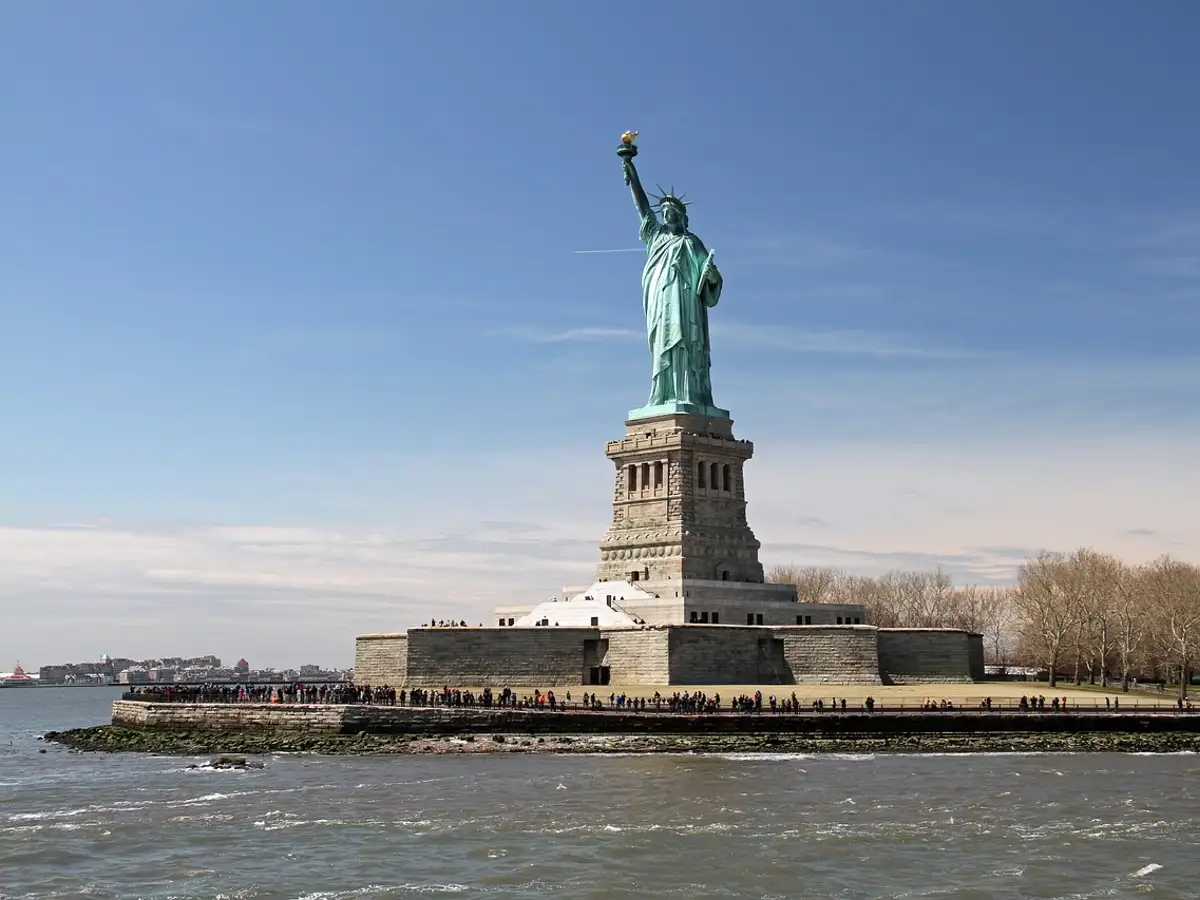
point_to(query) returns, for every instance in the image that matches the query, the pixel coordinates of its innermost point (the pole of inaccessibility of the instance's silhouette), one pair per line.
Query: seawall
(397, 720)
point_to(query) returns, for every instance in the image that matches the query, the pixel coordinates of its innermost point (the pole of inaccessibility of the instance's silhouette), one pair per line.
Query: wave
(789, 757)
(132, 806)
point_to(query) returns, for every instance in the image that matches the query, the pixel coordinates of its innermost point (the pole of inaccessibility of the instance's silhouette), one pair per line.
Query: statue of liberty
(680, 282)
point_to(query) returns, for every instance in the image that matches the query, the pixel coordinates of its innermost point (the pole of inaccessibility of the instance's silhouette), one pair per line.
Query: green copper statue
(680, 281)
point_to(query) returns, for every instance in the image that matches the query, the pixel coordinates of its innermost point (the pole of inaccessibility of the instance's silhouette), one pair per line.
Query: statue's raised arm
(627, 152)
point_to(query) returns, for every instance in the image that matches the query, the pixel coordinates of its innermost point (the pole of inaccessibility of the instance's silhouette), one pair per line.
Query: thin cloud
(849, 342)
(123, 588)
(590, 334)
(736, 335)
(327, 340)
(798, 250)
(615, 250)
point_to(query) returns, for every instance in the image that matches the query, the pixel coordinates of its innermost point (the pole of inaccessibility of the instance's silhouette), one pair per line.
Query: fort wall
(720, 654)
(640, 656)
(667, 655)
(815, 654)
(916, 655)
(381, 659)
(514, 657)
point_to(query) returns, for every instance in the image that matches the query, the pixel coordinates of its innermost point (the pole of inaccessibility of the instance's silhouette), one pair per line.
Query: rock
(230, 761)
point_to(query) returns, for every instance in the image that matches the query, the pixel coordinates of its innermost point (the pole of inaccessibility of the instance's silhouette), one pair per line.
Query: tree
(1046, 605)
(1131, 623)
(1174, 592)
(813, 585)
(1095, 579)
(996, 621)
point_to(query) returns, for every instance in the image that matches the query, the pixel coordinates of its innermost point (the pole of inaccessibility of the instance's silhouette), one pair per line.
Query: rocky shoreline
(199, 742)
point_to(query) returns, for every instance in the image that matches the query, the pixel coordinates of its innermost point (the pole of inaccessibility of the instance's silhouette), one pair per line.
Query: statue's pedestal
(677, 408)
(679, 505)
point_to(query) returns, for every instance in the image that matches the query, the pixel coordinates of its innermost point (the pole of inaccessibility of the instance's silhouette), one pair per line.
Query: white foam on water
(1166, 753)
(208, 797)
(962, 754)
(1147, 870)
(130, 807)
(612, 828)
(371, 889)
(789, 757)
(1012, 872)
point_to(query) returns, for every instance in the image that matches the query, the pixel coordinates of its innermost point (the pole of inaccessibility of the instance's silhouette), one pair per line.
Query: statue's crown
(665, 198)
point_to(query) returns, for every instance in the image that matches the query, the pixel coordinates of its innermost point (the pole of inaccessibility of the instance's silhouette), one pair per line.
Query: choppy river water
(317, 828)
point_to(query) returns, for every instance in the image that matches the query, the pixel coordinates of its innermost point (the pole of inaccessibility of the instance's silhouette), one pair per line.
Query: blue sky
(293, 328)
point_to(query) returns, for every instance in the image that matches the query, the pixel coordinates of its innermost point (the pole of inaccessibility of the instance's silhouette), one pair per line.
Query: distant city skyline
(304, 332)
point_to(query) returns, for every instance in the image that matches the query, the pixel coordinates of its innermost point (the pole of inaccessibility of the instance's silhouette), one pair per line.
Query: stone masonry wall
(916, 655)
(692, 654)
(496, 657)
(816, 654)
(975, 655)
(723, 655)
(638, 656)
(269, 716)
(381, 659)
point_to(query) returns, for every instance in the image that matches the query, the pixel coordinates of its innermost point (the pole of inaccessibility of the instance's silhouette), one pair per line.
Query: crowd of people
(690, 703)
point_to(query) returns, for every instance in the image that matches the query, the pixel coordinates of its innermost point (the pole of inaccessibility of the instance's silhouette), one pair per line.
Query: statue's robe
(676, 296)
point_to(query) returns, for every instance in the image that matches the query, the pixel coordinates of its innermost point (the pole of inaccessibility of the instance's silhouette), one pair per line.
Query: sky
(299, 338)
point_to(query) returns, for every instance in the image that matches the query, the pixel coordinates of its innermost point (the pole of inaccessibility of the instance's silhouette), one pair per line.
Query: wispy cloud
(305, 341)
(306, 590)
(1001, 393)
(806, 251)
(741, 336)
(811, 522)
(1182, 267)
(589, 334)
(849, 342)
(615, 250)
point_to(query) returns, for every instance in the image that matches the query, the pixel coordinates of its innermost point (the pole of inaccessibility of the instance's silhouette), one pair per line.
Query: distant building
(133, 676)
(241, 667)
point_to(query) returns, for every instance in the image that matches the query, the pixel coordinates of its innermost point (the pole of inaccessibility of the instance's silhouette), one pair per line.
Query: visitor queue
(684, 702)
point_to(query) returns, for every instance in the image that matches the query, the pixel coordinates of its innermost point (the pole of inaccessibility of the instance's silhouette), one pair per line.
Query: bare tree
(1087, 609)
(1102, 575)
(813, 585)
(1174, 591)
(1046, 605)
(996, 620)
(1092, 580)
(1131, 623)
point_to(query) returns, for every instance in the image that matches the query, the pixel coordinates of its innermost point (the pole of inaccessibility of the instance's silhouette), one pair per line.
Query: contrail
(619, 250)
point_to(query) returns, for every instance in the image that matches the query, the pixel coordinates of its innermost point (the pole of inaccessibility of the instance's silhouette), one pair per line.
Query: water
(999, 826)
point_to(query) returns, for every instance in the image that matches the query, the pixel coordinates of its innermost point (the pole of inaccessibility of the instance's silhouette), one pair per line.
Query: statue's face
(672, 215)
